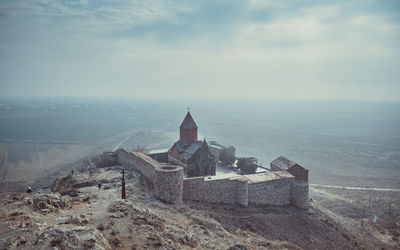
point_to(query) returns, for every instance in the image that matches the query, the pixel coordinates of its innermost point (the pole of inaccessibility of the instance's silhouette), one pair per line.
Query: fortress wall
(225, 191)
(137, 161)
(193, 188)
(242, 192)
(299, 195)
(167, 179)
(171, 186)
(274, 192)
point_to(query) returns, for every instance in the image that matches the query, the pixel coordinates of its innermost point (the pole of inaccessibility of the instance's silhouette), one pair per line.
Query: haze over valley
(350, 144)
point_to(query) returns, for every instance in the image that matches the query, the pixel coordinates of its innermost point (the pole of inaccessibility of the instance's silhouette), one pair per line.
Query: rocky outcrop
(79, 237)
(67, 185)
(64, 186)
(49, 202)
(139, 216)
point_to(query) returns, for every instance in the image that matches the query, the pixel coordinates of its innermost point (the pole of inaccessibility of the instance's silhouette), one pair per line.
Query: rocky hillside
(79, 215)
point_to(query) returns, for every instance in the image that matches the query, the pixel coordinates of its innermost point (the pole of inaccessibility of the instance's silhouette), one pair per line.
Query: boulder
(48, 202)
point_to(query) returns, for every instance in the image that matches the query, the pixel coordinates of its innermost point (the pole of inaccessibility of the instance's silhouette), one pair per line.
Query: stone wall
(225, 191)
(168, 184)
(255, 189)
(138, 161)
(167, 179)
(274, 192)
(242, 192)
(299, 195)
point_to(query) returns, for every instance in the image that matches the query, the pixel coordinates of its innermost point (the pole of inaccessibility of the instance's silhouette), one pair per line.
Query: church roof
(187, 151)
(188, 122)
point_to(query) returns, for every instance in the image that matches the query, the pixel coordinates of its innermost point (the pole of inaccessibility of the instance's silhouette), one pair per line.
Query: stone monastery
(187, 172)
(190, 153)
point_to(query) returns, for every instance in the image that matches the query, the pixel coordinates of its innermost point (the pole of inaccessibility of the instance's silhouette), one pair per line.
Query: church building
(190, 153)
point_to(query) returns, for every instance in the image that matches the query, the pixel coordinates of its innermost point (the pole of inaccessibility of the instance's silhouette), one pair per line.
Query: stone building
(284, 164)
(190, 153)
(224, 155)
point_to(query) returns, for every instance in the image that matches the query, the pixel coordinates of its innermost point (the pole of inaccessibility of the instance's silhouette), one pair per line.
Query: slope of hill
(85, 216)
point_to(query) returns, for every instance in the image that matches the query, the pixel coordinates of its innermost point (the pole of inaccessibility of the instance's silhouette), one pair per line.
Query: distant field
(27, 161)
(68, 126)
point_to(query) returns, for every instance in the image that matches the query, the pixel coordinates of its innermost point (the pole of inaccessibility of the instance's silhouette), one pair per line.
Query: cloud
(251, 49)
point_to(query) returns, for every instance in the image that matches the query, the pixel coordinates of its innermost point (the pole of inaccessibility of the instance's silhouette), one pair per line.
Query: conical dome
(188, 130)
(188, 123)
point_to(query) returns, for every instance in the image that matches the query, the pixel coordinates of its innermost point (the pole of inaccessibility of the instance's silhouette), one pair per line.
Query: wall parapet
(138, 162)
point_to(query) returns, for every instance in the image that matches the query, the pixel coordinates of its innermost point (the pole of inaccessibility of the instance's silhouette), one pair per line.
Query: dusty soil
(370, 214)
(87, 217)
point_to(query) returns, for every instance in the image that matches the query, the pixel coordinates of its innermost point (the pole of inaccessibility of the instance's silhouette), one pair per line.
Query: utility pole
(123, 184)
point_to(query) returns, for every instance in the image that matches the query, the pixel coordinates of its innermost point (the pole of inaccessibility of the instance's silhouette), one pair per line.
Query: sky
(254, 49)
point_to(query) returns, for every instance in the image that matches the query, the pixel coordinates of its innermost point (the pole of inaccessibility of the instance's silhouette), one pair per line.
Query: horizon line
(196, 98)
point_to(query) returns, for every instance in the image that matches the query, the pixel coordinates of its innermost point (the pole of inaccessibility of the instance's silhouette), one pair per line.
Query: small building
(190, 153)
(247, 165)
(224, 155)
(284, 164)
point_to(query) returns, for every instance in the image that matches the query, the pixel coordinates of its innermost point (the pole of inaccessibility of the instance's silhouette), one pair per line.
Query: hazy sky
(255, 48)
